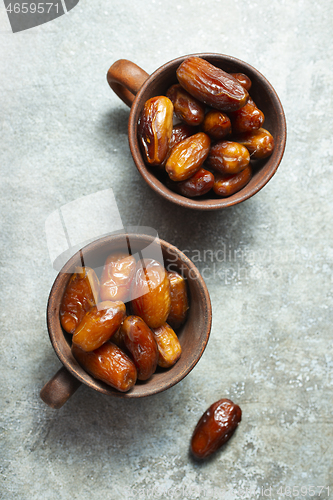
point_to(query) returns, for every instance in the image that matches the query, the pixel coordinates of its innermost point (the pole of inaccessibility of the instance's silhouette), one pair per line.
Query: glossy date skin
(227, 185)
(81, 294)
(216, 124)
(151, 299)
(187, 157)
(260, 143)
(117, 276)
(186, 107)
(228, 157)
(169, 348)
(109, 364)
(141, 344)
(246, 119)
(155, 128)
(179, 300)
(215, 428)
(211, 85)
(180, 132)
(199, 184)
(244, 80)
(99, 324)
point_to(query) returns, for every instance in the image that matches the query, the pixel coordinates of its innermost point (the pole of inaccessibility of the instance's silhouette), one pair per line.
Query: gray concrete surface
(63, 136)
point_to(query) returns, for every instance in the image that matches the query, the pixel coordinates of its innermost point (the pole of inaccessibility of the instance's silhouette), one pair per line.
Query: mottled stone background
(64, 136)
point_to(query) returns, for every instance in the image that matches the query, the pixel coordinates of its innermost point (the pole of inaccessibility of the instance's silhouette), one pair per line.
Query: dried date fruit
(151, 298)
(246, 119)
(188, 156)
(140, 342)
(226, 185)
(199, 184)
(155, 128)
(99, 324)
(244, 80)
(109, 364)
(169, 348)
(179, 299)
(228, 157)
(81, 294)
(215, 428)
(260, 143)
(117, 276)
(186, 107)
(211, 85)
(118, 339)
(179, 132)
(216, 124)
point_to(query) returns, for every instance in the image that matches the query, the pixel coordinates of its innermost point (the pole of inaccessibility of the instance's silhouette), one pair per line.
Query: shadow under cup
(193, 334)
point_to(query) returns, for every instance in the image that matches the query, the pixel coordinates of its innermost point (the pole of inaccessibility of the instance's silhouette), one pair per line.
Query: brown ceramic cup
(134, 86)
(193, 334)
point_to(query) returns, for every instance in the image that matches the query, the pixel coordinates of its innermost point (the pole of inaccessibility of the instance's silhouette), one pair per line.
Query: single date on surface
(215, 428)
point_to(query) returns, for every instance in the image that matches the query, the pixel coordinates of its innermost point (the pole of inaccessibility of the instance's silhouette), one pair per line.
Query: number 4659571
(32, 8)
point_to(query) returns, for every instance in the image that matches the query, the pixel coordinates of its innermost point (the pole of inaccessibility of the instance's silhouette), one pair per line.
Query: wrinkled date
(244, 80)
(216, 124)
(179, 133)
(169, 348)
(187, 157)
(155, 128)
(246, 119)
(197, 185)
(117, 276)
(109, 364)
(186, 107)
(215, 427)
(227, 185)
(151, 299)
(228, 157)
(99, 324)
(211, 85)
(260, 143)
(81, 294)
(179, 300)
(140, 342)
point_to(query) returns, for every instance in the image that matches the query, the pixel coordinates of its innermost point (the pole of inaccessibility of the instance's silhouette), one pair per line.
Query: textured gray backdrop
(63, 136)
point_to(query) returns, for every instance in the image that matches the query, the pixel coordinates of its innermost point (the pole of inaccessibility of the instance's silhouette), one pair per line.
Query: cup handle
(59, 389)
(126, 78)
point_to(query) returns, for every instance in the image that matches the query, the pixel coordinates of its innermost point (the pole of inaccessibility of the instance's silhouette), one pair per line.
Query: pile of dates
(218, 134)
(123, 324)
